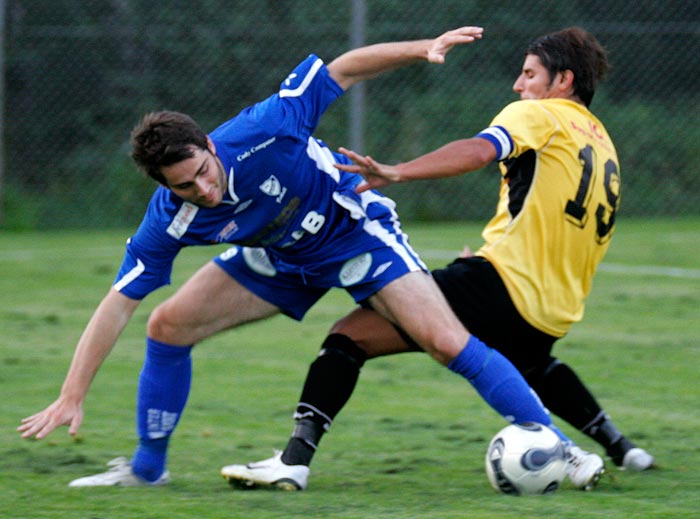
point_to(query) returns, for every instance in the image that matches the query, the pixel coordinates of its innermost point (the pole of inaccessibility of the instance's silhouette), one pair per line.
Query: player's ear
(566, 80)
(211, 146)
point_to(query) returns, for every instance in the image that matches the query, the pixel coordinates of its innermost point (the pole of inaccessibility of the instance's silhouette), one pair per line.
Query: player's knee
(342, 346)
(444, 345)
(536, 374)
(161, 325)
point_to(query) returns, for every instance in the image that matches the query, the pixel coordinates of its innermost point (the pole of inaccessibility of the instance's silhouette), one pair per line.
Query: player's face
(534, 81)
(200, 179)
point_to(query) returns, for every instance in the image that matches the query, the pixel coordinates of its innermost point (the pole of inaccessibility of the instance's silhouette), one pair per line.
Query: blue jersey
(284, 193)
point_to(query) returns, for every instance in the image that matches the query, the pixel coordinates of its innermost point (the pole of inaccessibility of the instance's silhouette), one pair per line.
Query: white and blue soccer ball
(526, 459)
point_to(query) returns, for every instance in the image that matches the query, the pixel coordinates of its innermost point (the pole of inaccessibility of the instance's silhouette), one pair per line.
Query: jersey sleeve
(302, 99)
(148, 260)
(519, 127)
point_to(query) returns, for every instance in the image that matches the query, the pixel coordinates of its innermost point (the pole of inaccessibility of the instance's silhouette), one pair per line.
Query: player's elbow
(483, 152)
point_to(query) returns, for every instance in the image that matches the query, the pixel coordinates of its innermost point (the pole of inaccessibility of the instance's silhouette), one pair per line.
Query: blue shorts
(366, 259)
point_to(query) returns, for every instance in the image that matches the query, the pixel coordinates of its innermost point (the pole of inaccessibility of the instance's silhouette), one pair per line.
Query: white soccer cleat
(119, 475)
(638, 460)
(583, 468)
(272, 472)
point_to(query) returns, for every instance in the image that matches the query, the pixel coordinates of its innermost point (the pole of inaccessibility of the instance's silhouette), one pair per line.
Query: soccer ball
(526, 459)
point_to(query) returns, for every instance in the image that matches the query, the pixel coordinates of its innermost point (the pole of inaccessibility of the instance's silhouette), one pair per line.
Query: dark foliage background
(78, 75)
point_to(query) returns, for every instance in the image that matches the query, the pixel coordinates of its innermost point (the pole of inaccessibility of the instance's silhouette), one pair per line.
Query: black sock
(303, 443)
(563, 393)
(617, 450)
(603, 431)
(329, 384)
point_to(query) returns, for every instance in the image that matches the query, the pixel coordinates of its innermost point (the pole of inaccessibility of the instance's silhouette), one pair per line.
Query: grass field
(412, 440)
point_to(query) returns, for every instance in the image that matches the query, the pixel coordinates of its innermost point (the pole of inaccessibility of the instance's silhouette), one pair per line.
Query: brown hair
(573, 49)
(162, 139)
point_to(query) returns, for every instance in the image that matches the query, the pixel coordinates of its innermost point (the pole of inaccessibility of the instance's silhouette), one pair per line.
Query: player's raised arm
(97, 340)
(366, 62)
(452, 159)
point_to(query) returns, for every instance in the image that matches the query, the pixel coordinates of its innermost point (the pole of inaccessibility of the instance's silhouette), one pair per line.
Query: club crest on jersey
(272, 187)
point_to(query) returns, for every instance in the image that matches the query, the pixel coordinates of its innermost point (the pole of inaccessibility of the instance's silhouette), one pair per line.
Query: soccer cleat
(119, 475)
(638, 460)
(583, 468)
(272, 472)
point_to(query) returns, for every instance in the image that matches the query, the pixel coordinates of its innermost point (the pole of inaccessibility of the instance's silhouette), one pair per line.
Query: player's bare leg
(414, 302)
(209, 302)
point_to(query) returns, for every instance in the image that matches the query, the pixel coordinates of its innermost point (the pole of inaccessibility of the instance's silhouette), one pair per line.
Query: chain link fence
(78, 76)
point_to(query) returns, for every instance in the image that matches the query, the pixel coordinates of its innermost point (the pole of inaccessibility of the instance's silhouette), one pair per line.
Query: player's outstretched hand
(59, 413)
(376, 175)
(444, 43)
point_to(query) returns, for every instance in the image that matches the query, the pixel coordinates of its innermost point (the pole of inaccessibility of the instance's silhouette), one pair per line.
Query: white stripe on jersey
(323, 157)
(403, 248)
(130, 276)
(305, 83)
(375, 228)
(231, 190)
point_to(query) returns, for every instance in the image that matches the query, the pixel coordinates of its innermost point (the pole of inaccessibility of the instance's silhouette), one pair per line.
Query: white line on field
(617, 268)
(48, 253)
(429, 254)
(650, 270)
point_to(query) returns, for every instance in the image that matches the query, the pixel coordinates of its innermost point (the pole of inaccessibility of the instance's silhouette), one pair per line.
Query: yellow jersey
(556, 212)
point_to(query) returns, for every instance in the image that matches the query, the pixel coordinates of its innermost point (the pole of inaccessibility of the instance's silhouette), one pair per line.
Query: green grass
(411, 441)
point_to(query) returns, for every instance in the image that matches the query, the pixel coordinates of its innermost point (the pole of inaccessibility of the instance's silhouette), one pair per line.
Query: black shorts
(481, 301)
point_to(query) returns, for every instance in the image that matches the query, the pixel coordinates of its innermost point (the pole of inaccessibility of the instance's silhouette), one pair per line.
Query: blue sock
(164, 385)
(501, 384)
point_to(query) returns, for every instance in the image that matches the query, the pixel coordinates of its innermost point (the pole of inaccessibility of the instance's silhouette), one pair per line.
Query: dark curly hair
(573, 49)
(164, 138)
